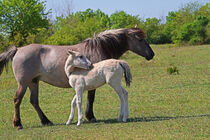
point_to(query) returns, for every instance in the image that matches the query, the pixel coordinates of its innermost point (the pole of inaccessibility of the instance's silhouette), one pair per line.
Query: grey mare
(36, 62)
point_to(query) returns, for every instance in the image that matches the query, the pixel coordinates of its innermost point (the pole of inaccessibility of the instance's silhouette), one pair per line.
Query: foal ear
(71, 52)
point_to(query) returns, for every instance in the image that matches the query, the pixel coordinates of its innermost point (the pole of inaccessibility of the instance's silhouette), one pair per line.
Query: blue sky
(143, 8)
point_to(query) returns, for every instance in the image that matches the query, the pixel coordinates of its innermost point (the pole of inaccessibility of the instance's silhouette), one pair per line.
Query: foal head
(77, 60)
(138, 44)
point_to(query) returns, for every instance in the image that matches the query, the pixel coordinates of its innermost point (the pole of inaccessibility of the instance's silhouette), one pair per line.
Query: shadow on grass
(136, 119)
(150, 119)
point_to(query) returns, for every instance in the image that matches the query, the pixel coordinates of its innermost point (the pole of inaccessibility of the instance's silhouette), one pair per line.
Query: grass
(162, 106)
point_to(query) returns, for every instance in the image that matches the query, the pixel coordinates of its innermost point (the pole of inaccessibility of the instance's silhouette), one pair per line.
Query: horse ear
(136, 26)
(71, 52)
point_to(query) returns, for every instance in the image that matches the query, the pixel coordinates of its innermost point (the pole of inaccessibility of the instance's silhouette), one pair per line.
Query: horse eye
(138, 38)
(81, 57)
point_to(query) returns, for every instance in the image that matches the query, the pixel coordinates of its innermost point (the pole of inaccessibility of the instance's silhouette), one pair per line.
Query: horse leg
(89, 108)
(73, 105)
(34, 89)
(17, 101)
(79, 92)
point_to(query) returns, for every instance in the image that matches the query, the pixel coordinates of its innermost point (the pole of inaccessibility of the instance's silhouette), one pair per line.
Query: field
(162, 105)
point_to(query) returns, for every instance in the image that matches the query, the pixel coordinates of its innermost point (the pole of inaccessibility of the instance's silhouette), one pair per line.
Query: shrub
(3, 43)
(172, 70)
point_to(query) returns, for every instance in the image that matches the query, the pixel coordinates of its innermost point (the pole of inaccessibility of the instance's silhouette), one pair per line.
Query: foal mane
(110, 43)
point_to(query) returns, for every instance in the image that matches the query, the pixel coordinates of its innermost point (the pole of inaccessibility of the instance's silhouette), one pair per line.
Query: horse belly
(54, 75)
(55, 81)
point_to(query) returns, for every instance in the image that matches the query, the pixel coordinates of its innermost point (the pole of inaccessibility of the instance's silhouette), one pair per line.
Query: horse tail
(5, 57)
(127, 73)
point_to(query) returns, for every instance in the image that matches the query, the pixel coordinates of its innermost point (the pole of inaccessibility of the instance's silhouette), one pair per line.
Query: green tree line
(25, 21)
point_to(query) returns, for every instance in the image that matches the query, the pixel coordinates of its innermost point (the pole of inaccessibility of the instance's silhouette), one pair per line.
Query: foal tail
(127, 73)
(5, 57)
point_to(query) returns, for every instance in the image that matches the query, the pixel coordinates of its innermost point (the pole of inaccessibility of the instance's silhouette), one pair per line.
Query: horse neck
(120, 53)
(117, 50)
(101, 53)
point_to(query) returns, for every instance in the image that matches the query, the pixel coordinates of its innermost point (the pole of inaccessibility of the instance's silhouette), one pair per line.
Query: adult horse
(36, 62)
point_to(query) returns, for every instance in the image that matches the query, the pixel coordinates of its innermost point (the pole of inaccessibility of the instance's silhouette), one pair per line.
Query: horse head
(138, 44)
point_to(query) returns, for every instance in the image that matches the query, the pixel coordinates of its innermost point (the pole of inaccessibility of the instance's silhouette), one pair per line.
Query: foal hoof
(68, 122)
(124, 120)
(120, 119)
(78, 124)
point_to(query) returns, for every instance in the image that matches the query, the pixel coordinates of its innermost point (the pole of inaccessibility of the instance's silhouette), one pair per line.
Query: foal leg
(89, 108)
(118, 89)
(73, 105)
(34, 89)
(17, 101)
(126, 111)
(79, 92)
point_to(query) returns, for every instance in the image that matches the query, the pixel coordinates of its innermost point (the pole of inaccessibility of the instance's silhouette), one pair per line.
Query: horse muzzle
(150, 56)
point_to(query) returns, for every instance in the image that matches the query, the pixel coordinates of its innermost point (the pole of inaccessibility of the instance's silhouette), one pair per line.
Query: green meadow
(162, 105)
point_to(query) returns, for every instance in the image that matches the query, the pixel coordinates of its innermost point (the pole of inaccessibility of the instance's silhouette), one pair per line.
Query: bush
(172, 70)
(195, 32)
(189, 25)
(3, 43)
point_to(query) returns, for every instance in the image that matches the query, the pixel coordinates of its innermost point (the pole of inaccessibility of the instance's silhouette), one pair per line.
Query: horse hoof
(17, 124)
(20, 127)
(93, 120)
(90, 118)
(48, 123)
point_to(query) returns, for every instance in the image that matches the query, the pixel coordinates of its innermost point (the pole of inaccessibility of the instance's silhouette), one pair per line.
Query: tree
(123, 20)
(3, 43)
(194, 32)
(20, 18)
(189, 24)
(155, 31)
(98, 15)
(77, 27)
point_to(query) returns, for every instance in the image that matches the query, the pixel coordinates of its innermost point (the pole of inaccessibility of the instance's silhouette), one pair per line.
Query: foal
(85, 76)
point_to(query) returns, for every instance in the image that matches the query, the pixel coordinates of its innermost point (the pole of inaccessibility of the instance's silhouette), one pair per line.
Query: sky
(143, 8)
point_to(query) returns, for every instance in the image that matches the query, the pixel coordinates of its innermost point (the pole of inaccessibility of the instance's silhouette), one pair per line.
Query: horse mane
(110, 43)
